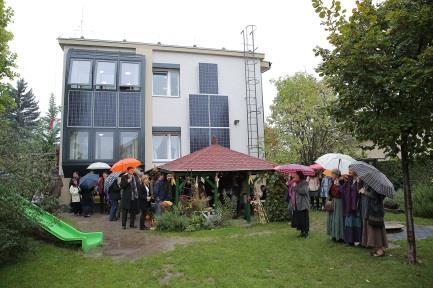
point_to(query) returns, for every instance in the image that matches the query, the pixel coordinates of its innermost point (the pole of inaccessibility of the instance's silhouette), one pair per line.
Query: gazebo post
(247, 200)
(215, 190)
(179, 186)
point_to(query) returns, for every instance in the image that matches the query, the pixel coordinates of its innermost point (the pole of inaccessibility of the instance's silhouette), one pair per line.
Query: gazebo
(210, 161)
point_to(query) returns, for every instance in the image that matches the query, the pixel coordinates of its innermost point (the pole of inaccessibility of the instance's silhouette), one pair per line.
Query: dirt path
(129, 244)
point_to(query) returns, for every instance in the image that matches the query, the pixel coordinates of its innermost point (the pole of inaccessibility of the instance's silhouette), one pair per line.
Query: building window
(166, 83)
(166, 146)
(129, 145)
(129, 76)
(80, 73)
(105, 75)
(104, 144)
(208, 117)
(78, 145)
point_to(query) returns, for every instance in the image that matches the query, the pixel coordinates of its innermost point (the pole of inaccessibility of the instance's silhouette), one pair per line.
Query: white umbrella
(336, 161)
(99, 166)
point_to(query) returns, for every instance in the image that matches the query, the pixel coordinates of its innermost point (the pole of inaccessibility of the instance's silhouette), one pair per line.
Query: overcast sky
(287, 32)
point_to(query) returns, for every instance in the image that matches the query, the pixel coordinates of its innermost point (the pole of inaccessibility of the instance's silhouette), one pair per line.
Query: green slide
(60, 229)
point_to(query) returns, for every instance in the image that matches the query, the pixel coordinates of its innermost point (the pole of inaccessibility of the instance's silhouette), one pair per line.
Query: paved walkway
(421, 232)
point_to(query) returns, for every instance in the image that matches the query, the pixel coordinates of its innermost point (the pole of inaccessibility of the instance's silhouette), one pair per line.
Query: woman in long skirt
(374, 234)
(351, 215)
(335, 224)
(301, 220)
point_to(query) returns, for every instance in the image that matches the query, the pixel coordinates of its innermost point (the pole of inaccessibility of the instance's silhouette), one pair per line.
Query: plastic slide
(60, 229)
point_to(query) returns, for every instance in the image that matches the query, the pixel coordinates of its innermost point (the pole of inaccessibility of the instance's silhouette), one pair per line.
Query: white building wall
(169, 111)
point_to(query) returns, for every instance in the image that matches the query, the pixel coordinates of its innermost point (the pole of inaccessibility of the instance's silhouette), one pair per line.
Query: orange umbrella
(123, 164)
(327, 172)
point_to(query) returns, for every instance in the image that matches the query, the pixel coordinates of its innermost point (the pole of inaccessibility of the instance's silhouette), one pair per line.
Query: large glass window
(80, 72)
(129, 145)
(166, 146)
(129, 74)
(104, 144)
(78, 145)
(166, 83)
(105, 74)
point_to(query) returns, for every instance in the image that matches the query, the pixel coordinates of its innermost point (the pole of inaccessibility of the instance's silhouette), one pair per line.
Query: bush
(423, 200)
(172, 222)
(225, 210)
(275, 204)
(196, 223)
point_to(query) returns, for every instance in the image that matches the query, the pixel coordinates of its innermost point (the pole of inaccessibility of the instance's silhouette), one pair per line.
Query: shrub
(423, 200)
(196, 223)
(275, 204)
(172, 222)
(225, 210)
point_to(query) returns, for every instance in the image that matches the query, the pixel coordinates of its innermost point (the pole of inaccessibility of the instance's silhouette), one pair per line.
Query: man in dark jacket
(114, 192)
(160, 193)
(130, 185)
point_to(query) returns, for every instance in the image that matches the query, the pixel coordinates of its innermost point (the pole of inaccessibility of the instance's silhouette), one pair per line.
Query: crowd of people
(355, 211)
(132, 194)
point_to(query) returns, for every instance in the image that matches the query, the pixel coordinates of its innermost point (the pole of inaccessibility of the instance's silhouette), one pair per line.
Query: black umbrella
(89, 181)
(373, 178)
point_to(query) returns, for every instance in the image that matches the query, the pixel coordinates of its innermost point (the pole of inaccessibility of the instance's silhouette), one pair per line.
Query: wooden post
(176, 197)
(247, 200)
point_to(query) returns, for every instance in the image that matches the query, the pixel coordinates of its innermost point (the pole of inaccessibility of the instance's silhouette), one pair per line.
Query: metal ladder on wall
(252, 82)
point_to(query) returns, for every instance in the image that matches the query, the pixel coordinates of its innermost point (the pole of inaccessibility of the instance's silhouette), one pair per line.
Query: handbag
(328, 206)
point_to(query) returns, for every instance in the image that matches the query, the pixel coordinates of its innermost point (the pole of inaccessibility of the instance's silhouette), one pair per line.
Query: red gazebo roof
(216, 158)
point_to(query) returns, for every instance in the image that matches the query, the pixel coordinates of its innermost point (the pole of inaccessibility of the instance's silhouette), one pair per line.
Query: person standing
(101, 193)
(314, 186)
(86, 201)
(374, 234)
(301, 220)
(351, 216)
(144, 200)
(325, 186)
(160, 193)
(114, 192)
(335, 224)
(130, 185)
(74, 189)
(76, 176)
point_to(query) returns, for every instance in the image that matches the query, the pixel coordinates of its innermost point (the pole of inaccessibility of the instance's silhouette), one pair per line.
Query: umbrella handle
(339, 162)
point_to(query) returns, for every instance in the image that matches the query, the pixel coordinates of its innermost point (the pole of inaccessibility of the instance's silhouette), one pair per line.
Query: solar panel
(129, 109)
(219, 111)
(199, 138)
(105, 112)
(222, 135)
(199, 110)
(208, 78)
(80, 108)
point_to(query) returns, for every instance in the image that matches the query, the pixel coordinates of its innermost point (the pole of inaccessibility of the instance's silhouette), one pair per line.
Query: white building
(156, 102)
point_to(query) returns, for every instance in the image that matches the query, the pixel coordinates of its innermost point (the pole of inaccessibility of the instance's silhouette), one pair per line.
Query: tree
(25, 112)
(7, 58)
(301, 123)
(381, 66)
(50, 125)
(274, 149)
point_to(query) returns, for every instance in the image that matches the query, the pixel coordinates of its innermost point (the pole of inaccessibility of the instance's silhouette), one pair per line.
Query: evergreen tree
(25, 113)
(50, 124)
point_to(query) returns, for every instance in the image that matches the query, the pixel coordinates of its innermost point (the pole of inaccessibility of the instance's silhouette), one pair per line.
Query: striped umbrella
(110, 180)
(373, 178)
(293, 168)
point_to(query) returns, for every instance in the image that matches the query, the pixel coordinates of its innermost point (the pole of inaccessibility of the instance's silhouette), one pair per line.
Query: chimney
(214, 140)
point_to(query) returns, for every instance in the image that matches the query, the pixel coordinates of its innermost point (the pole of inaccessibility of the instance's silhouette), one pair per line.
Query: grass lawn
(259, 256)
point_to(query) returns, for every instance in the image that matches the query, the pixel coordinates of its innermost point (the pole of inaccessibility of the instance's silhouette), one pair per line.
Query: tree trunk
(411, 244)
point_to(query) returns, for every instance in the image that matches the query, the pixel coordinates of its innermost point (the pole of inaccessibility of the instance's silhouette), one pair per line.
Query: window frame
(69, 135)
(119, 147)
(169, 134)
(85, 86)
(95, 134)
(132, 88)
(169, 72)
(110, 87)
